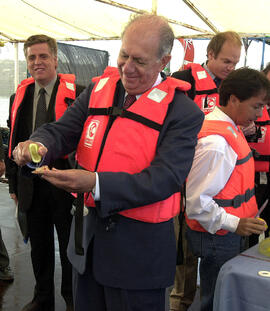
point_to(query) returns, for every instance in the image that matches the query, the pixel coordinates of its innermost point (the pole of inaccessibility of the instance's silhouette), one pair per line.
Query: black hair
(244, 83)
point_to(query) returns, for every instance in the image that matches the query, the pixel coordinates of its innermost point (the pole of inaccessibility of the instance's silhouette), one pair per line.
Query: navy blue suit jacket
(127, 253)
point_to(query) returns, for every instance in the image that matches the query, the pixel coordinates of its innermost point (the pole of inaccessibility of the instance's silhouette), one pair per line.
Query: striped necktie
(129, 100)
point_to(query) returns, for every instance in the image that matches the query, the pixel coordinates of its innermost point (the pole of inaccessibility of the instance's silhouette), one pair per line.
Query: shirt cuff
(96, 190)
(231, 222)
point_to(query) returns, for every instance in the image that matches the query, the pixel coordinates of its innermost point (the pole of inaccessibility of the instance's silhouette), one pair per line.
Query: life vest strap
(245, 159)
(237, 200)
(265, 158)
(123, 113)
(78, 232)
(262, 123)
(208, 92)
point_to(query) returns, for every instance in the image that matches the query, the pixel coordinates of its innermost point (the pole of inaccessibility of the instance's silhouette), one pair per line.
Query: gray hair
(156, 22)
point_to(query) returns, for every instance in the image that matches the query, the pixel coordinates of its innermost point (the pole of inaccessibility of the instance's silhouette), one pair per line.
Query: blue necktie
(217, 81)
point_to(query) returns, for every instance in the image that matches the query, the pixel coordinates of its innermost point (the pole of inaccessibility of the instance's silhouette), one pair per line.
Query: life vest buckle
(115, 111)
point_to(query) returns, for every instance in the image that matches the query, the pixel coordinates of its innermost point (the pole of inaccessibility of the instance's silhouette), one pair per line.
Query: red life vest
(128, 153)
(238, 195)
(66, 89)
(206, 91)
(263, 144)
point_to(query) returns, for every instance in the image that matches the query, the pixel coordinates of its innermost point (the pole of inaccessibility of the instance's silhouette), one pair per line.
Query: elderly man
(135, 132)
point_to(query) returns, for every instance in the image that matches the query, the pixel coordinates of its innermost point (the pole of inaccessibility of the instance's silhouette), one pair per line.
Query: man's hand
(2, 168)
(249, 130)
(21, 153)
(70, 180)
(247, 226)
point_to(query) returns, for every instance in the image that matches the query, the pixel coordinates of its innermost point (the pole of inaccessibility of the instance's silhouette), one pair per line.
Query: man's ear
(164, 61)
(234, 100)
(211, 55)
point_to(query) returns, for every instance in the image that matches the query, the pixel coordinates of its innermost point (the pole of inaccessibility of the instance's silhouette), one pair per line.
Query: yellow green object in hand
(35, 156)
(264, 247)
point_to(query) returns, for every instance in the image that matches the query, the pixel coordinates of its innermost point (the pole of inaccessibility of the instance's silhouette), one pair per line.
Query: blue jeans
(214, 250)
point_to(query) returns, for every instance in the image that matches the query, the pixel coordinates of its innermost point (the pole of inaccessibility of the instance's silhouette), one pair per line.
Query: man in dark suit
(6, 273)
(41, 206)
(135, 159)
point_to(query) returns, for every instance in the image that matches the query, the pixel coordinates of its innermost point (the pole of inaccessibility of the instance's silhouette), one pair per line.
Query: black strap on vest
(261, 123)
(237, 200)
(264, 158)
(207, 92)
(78, 231)
(180, 219)
(123, 113)
(245, 159)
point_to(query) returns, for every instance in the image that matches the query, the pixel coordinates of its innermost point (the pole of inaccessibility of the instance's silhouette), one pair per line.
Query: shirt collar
(208, 70)
(157, 82)
(218, 114)
(48, 88)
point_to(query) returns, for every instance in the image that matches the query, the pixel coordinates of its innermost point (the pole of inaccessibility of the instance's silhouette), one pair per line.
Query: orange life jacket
(238, 195)
(130, 144)
(262, 146)
(206, 91)
(66, 89)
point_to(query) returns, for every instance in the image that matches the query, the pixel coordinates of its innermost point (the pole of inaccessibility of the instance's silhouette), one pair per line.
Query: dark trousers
(214, 250)
(90, 295)
(4, 258)
(49, 210)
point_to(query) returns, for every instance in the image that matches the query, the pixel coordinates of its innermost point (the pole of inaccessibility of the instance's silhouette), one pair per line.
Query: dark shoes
(35, 306)
(6, 274)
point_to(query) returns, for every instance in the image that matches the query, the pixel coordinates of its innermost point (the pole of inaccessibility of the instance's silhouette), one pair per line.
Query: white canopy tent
(69, 20)
(85, 20)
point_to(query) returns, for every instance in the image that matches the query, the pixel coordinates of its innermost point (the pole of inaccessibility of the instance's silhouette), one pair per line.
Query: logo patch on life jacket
(209, 103)
(201, 75)
(101, 83)
(263, 132)
(91, 133)
(70, 86)
(157, 95)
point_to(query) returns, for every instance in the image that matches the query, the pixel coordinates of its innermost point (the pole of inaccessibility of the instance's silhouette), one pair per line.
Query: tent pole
(16, 66)
(263, 50)
(154, 6)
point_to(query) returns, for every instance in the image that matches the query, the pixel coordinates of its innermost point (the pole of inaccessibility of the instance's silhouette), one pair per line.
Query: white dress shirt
(213, 164)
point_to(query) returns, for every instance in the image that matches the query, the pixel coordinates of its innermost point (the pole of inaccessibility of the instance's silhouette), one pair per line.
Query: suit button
(111, 225)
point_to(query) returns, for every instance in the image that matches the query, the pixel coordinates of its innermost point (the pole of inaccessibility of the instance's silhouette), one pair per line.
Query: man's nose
(260, 113)
(231, 67)
(128, 66)
(37, 60)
